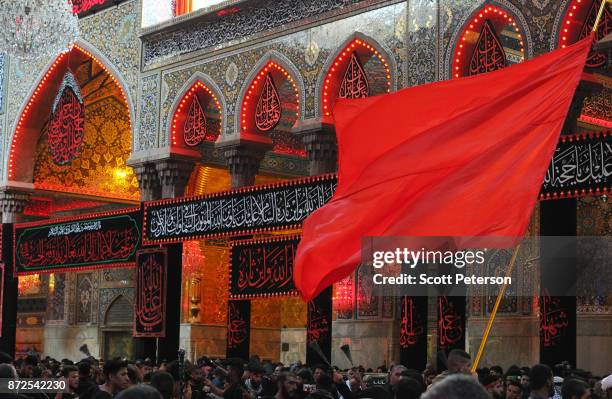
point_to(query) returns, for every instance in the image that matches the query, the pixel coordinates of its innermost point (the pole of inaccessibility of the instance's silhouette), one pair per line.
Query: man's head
(459, 361)
(525, 380)
(164, 383)
(71, 374)
(27, 367)
(575, 389)
(85, 368)
(116, 374)
(287, 385)
(236, 370)
(456, 387)
(8, 371)
(256, 373)
(514, 390)
(409, 388)
(541, 378)
(319, 370)
(395, 374)
(493, 384)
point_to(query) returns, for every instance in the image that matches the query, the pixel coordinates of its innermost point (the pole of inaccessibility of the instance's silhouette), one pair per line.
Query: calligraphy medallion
(268, 111)
(66, 128)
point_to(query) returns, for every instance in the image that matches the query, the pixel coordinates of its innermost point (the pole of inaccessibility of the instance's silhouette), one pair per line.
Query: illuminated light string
(578, 24)
(41, 85)
(197, 86)
(328, 96)
(261, 76)
(475, 26)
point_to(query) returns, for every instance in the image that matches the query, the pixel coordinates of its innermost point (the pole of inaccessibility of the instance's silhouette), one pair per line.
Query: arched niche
(271, 102)
(359, 68)
(98, 166)
(198, 113)
(491, 39)
(578, 23)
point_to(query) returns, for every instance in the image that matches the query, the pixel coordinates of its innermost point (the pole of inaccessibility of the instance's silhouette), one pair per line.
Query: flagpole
(600, 14)
(502, 290)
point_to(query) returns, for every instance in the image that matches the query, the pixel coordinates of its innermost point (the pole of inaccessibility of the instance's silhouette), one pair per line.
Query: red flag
(464, 157)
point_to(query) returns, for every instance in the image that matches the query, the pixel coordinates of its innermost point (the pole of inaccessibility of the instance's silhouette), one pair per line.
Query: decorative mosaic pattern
(600, 105)
(114, 32)
(57, 298)
(108, 296)
(595, 219)
(100, 168)
(120, 274)
(251, 19)
(2, 62)
(382, 24)
(149, 113)
(84, 298)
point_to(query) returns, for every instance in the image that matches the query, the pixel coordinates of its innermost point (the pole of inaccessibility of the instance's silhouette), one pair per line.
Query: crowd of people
(254, 379)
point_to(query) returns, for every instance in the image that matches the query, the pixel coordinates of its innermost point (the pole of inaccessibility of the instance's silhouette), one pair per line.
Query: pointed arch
(207, 84)
(284, 64)
(120, 309)
(577, 23)
(506, 19)
(23, 137)
(387, 68)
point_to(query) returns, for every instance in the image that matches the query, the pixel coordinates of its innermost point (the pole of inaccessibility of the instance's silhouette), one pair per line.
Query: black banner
(413, 332)
(262, 268)
(102, 240)
(581, 165)
(319, 329)
(238, 329)
(451, 323)
(558, 320)
(241, 211)
(151, 292)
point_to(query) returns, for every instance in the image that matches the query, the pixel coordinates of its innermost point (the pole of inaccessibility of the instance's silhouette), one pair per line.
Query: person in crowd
(164, 383)
(257, 384)
(525, 380)
(134, 375)
(541, 382)
(287, 385)
(319, 370)
(70, 374)
(408, 388)
(514, 390)
(494, 385)
(575, 389)
(395, 375)
(116, 379)
(459, 362)
(457, 386)
(140, 392)
(87, 382)
(27, 366)
(7, 370)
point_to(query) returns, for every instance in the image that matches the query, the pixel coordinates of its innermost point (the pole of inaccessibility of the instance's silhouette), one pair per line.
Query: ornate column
(319, 138)
(243, 156)
(173, 176)
(12, 204)
(148, 181)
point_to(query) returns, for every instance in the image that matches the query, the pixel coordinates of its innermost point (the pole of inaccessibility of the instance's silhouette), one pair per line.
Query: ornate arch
(116, 299)
(208, 84)
(376, 48)
(86, 48)
(276, 58)
(513, 12)
(574, 20)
